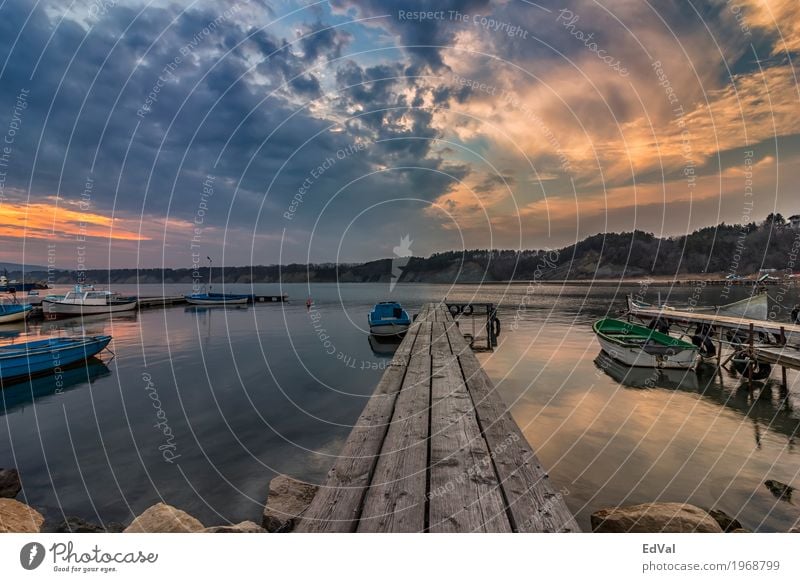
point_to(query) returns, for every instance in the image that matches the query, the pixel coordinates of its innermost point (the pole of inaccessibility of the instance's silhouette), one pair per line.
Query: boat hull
(637, 358)
(41, 357)
(17, 315)
(216, 300)
(388, 329)
(52, 308)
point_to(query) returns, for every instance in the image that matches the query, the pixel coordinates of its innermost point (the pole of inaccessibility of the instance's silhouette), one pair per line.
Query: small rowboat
(43, 356)
(636, 345)
(388, 318)
(217, 299)
(14, 312)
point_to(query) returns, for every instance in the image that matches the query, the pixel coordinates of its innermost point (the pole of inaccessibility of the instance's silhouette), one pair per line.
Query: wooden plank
(337, 505)
(782, 356)
(532, 503)
(726, 321)
(440, 345)
(423, 343)
(395, 500)
(464, 493)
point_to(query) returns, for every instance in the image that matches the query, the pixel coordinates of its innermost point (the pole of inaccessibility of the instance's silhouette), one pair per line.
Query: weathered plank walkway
(436, 450)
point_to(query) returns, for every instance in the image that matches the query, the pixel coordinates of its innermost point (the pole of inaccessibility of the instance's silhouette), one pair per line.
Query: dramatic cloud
(324, 132)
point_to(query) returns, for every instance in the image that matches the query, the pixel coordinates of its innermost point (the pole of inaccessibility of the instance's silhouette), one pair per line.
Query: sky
(150, 134)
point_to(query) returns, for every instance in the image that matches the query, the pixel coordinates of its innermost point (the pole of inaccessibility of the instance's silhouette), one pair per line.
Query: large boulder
(287, 500)
(241, 527)
(163, 518)
(10, 484)
(16, 517)
(654, 518)
(725, 521)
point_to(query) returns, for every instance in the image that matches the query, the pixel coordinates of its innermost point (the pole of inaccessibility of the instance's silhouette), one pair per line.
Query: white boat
(755, 307)
(639, 346)
(82, 301)
(216, 299)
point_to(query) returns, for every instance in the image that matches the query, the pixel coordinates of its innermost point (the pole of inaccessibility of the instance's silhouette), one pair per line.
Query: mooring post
(752, 358)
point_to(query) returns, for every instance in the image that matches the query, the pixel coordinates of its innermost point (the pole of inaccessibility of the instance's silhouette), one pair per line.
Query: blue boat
(388, 318)
(217, 299)
(14, 312)
(43, 356)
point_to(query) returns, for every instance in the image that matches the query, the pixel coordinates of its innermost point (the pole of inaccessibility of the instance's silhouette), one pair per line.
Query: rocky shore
(288, 499)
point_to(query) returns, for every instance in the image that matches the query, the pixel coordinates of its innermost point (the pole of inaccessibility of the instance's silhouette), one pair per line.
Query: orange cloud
(45, 220)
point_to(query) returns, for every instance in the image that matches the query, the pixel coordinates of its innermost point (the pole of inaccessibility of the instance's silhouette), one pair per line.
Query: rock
(163, 518)
(779, 490)
(10, 484)
(740, 530)
(725, 521)
(78, 525)
(287, 500)
(653, 518)
(242, 527)
(16, 517)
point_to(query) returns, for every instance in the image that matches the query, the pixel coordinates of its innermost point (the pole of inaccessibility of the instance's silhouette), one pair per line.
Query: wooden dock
(789, 333)
(149, 302)
(436, 450)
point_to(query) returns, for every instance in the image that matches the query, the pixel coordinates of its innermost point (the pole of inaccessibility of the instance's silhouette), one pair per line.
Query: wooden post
(783, 374)
(751, 355)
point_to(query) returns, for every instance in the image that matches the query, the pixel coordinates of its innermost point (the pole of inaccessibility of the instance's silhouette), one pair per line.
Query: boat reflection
(86, 325)
(384, 346)
(768, 404)
(38, 389)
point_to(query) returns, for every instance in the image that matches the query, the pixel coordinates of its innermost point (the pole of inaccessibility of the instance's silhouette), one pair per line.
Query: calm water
(233, 396)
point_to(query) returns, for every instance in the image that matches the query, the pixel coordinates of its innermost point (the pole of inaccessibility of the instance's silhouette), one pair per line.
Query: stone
(287, 500)
(16, 517)
(654, 518)
(10, 484)
(78, 525)
(725, 521)
(163, 518)
(780, 490)
(241, 527)
(740, 530)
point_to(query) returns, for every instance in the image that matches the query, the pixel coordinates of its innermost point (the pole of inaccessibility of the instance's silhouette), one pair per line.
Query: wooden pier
(436, 450)
(166, 301)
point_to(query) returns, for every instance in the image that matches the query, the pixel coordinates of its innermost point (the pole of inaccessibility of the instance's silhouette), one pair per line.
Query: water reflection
(768, 404)
(39, 389)
(384, 346)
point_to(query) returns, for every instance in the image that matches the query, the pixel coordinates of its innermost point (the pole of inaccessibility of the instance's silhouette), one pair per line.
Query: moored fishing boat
(42, 356)
(82, 301)
(388, 318)
(217, 299)
(755, 307)
(636, 345)
(14, 312)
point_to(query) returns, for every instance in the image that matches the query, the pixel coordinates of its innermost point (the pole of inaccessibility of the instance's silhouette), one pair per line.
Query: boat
(639, 346)
(209, 298)
(14, 312)
(82, 301)
(14, 286)
(43, 356)
(388, 318)
(755, 307)
(217, 299)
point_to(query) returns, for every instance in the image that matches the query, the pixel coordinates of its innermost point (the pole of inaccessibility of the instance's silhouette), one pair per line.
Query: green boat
(636, 345)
